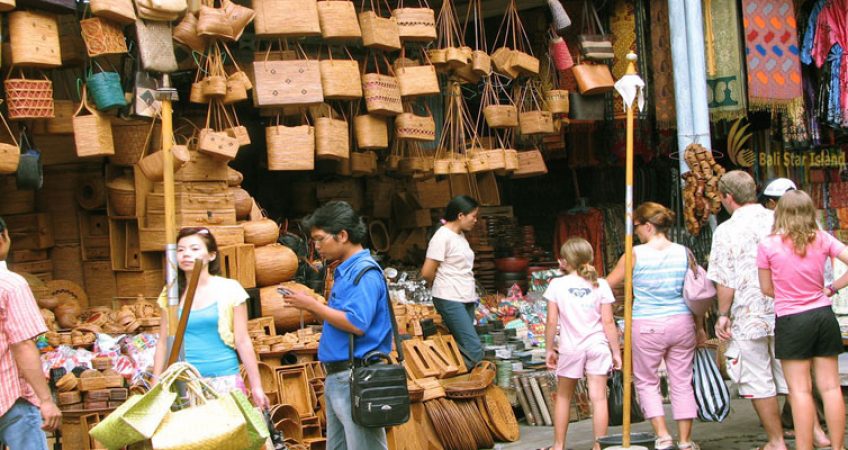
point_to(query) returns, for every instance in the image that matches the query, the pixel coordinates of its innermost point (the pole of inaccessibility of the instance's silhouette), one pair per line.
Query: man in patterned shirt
(746, 316)
(26, 404)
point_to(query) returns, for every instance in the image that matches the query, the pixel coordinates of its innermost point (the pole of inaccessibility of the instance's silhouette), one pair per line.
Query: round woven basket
(498, 414)
(275, 263)
(244, 202)
(122, 196)
(91, 194)
(261, 232)
(131, 140)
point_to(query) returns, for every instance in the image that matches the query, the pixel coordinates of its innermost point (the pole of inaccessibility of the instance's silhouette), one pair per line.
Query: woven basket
(332, 138)
(186, 33)
(495, 158)
(214, 86)
(501, 61)
(10, 154)
(29, 99)
(106, 90)
(557, 101)
(34, 39)
(281, 83)
(214, 23)
(415, 128)
(382, 94)
(196, 93)
(536, 122)
(478, 162)
(132, 139)
(530, 164)
(102, 37)
(481, 63)
(261, 232)
(92, 132)
(415, 24)
(236, 91)
(239, 17)
(275, 263)
(290, 148)
(363, 163)
(286, 18)
(437, 56)
(338, 20)
(120, 11)
(217, 144)
(501, 116)
(153, 165)
(497, 411)
(418, 80)
(372, 132)
(379, 32)
(457, 57)
(340, 78)
(62, 121)
(524, 63)
(511, 162)
(121, 192)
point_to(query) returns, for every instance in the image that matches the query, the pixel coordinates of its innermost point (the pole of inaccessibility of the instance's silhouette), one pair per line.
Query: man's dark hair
(336, 216)
(2, 225)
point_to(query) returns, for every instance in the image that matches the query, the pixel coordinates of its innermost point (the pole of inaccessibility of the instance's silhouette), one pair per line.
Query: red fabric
(589, 225)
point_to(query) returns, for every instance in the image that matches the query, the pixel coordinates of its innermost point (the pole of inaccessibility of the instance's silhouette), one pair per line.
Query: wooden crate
(126, 250)
(22, 256)
(293, 386)
(30, 231)
(190, 201)
(238, 262)
(195, 217)
(100, 284)
(147, 283)
(94, 236)
(45, 266)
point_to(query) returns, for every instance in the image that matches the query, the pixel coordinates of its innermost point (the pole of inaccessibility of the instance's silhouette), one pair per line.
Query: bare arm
(616, 277)
(608, 320)
(244, 348)
(551, 355)
(766, 284)
(428, 271)
(725, 297)
(842, 281)
(28, 362)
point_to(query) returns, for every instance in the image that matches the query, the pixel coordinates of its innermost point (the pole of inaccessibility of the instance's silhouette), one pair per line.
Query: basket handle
(9, 130)
(84, 103)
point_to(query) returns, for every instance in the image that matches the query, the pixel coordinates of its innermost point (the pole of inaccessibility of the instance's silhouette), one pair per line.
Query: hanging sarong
(725, 78)
(662, 73)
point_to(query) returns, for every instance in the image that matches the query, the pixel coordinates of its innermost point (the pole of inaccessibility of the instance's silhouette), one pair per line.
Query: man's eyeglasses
(321, 239)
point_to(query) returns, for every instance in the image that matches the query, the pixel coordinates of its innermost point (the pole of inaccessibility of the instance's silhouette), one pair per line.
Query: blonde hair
(795, 219)
(578, 253)
(657, 215)
(740, 185)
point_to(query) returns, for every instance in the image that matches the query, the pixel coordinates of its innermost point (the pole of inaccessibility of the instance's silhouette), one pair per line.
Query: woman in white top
(448, 269)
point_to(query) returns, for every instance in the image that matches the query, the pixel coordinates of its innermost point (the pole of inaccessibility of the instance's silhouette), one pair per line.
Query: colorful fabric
(623, 28)
(725, 77)
(662, 72)
(773, 54)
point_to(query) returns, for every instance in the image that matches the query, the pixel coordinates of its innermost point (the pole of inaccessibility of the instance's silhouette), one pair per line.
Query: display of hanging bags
(119, 11)
(417, 80)
(378, 32)
(281, 83)
(371, 131)
(102, 37)
(340, 78)
(155, 46)
(213, 140)
(410, 126)
(186, 33)
(497, 114)
(105, 88)
(213, 23)
(381, 91)
(534, 116)
(530, 164)
(515, 55)
(34, 39)
(239, 17)
(92, 132)
(594, 43)
(332, 137)
(415, 23)
(161, 10)
(338, 20)
(290, 147)
(28, 98)
(286, 18)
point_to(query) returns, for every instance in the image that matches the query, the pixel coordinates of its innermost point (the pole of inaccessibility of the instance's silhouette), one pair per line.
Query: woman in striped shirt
(663, 326)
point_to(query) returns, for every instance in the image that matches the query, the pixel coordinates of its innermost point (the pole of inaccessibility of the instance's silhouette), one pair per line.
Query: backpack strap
(391, 312)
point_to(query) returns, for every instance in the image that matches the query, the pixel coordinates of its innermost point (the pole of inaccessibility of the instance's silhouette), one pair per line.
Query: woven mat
(726, 86)
(774, 65)
(623, 28)
(662, 66)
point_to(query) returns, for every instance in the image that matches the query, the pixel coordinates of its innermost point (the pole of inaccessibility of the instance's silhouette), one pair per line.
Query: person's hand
(300, 300)
(616, 361)
(722, 328)
(260, 400)
(51, 415)
(551, 358)
(700, 336)
(828, 291)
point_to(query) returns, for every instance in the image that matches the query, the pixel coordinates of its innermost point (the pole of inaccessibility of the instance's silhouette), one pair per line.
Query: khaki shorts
(752, 366)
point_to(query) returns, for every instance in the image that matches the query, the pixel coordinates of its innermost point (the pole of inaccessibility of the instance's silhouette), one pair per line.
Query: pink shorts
(593, 360)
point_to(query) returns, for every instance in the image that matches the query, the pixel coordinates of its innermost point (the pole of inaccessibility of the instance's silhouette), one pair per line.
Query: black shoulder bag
(378, 393)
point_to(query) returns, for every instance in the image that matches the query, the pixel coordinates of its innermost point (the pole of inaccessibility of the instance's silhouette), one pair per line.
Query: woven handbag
(530, 164)
(372, 132)
(214, 23)
(34, 38)
(498, 115)
(213, 140)
(515, 55)
(594, 43)
(378, 32)
(120, 11)
(223, 425)
(186, 33)
(332, 137)
(132, 139)
(340, 78)
(290, 147)
(417, 80)
(102, 37)
(235, 129)
(92, 132)
(382, 92)
(338, 20)
(164, 10)
(155, 46)
(106, 89)
(239, 17)
(27, 98)
(286, 18)
(10, 154)
(413, 127)
(280, 83)
(415, 23)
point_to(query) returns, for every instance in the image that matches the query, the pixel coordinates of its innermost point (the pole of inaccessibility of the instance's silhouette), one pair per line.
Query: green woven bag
(257, 429)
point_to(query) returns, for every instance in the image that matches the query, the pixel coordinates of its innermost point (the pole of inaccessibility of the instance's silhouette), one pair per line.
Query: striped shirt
(658, 281)
(20, 320)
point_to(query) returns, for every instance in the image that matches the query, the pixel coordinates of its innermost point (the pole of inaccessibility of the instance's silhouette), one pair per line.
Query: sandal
(664, 443)
(688, 446)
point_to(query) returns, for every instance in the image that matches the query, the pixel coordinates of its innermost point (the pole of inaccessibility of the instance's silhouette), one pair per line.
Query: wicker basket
(530, 164)
(415, 128)
(102, 37)
(372, 132)
(380, 33)
(153, 165)
(557, 101)
(382, 94)
(363, 163)
(238, 16)
(186, 33)
(418, 80)
(214, 23)
(290, 148)
(132, 139)
(338, 20)
(122, 196)
(34, 39)
(481, 63)
(536, 122)
(29, 99)
(92, 132)
(415, 24)
(275, 263)
(284, 18)
(501, 116)
(332, 138)
(340, 78)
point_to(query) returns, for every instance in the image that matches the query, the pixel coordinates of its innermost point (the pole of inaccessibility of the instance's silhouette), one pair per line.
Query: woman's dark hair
(211, 246)
(460, 204)
(334, 217)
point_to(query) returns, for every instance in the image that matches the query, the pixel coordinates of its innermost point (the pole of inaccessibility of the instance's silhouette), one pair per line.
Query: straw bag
(34, 38)
(498, 115)
(120, 11)
(281, 83)
(594, 43)
(481, 62)
(186, 33)
(102, 37)
(153, 165)
(558, 50)
(340, 78)
(593, 79)
(415, 24)
(416, 128)
(378, 32)
(160, 10)
(515, 55)
(131, 139)
(332, 137)
(530, 164)
(7, 5)
(417, 80)
(363, 163)
(290, 148)
(155, 46)
(382, 92)
(105, 88)
(372, 132)
(92, 132)
(10, 154)
(239, 17)
(28, 99)
(557, 101)
(533, 117)
(286, 18)
(213, 140)
(214, 23)
(235, 129)
(338, 20)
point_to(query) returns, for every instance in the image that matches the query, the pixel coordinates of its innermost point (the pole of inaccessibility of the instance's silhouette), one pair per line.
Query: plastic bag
(615, 401)
(711, 394)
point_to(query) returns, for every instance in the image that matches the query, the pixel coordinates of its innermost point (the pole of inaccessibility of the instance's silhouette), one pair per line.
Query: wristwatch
(832, 289)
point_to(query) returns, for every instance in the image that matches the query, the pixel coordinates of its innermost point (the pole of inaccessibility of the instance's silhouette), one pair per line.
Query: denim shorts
(20, 427)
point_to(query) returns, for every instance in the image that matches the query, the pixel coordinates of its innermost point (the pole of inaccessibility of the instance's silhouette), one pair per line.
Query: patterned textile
(661, 65)
(774, 66)
(623, 28)
(223, 385)
(725, 86)
(793, 124)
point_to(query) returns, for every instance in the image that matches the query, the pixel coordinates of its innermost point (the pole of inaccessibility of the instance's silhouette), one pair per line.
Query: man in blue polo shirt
(354, 308)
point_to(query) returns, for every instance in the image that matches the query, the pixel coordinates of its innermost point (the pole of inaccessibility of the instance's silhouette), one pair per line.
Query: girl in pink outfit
(581, 305)
(807, 336)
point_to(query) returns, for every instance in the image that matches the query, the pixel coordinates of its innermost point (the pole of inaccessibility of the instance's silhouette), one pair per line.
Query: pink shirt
(798, 281)
(579, 306)
(20, 320)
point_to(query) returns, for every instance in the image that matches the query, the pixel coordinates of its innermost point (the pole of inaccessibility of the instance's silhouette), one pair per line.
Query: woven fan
(65, 290)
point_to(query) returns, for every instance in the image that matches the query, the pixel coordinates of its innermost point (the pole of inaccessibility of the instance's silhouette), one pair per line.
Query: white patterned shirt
(733, 263)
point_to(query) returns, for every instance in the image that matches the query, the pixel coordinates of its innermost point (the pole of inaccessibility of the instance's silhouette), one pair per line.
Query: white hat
(778, 187)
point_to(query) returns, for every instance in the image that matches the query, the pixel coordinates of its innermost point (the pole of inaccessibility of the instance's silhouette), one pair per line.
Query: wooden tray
(419, 360)
(449, 346)
(293, 388)
(104, 382)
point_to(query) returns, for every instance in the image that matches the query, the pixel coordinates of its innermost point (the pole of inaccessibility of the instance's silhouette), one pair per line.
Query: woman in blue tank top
(664, 328)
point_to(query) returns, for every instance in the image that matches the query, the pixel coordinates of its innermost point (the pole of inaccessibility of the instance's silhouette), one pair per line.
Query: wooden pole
(179, 330)
(171, 268)
(628, 267)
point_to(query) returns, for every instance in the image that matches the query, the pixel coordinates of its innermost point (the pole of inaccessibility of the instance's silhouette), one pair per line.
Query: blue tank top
(658, 281)
(203, 346)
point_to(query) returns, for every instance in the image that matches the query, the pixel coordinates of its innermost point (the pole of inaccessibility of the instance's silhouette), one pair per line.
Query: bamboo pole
(171, 268)
(628, 267)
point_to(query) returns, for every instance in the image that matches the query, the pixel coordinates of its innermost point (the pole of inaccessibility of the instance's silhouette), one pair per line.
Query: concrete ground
(740, 431)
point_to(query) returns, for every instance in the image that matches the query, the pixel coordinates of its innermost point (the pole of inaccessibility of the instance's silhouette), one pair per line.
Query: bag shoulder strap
(395, 333)
(692, 261)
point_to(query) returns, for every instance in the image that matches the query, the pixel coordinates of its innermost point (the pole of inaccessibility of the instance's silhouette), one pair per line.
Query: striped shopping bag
(711, 393)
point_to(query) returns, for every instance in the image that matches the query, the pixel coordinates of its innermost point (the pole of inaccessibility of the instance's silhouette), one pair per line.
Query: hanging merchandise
(105, 88)
(214, 82)
(586, 107)
(382, 92)
(30, 174)
(378, 32)
(411, 126)
(92, 132)
(196, 94)
(497, 113)
(213, 22)
(459, 136)
(234, 128)
(515, 56)
(186, 33)
(340, 78)
(561, 19)
(480, 64)
(701, 196)
(10, 154)
(152, 164)
(415, 23)
(371, 131)
(239, 17)
(595, 44)
(662, 66)
(449, 51)
(131, 139)
(119, 11)
(417, 80)
(160, 10)
(363, 163)
(533, 115)
(286, 18)
(338, 20)
(293, 83)
(593, 79)
(558, 50)
(556, 99)
(34, 39)
(530, 164)
(28, 98)
(332, 136)
(103, 37)
(291, 147)
(155, 46)
(213, 139)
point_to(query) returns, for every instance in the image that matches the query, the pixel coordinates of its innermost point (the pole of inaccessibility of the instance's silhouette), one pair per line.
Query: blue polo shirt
(366, 307)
